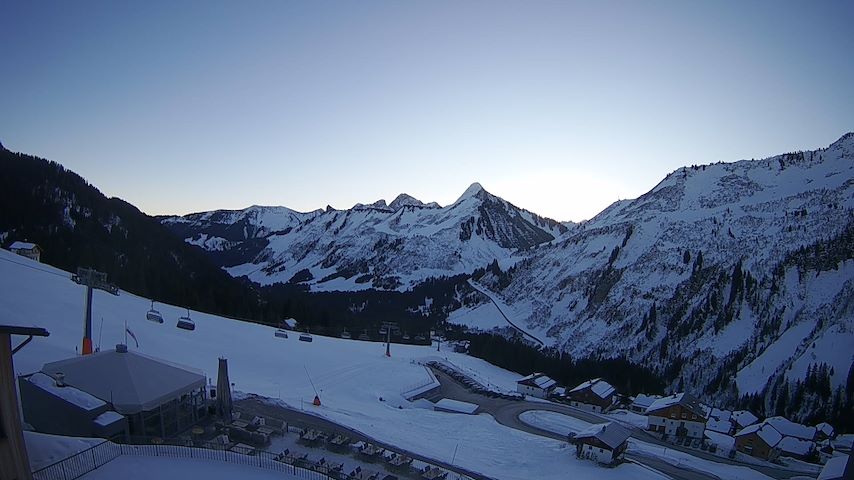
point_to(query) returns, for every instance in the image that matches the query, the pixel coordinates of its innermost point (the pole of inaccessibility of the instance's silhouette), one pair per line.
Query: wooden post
(14, 462)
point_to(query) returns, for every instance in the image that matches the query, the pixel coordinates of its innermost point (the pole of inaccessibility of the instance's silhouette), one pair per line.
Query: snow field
(349, 375)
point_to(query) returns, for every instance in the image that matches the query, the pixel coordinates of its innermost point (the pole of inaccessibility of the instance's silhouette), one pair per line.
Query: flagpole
(126, 332)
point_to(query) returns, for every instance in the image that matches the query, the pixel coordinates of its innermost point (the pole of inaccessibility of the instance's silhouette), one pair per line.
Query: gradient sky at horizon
(558, 107)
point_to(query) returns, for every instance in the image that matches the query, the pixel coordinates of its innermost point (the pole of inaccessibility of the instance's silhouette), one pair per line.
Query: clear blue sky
(558, 107)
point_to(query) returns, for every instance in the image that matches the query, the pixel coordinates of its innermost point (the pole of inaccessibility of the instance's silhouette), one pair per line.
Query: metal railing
(80, 463)
(83, 462)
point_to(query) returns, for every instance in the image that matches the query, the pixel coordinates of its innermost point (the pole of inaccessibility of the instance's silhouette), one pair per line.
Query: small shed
(455, 406)
(536, 384)
(796, 448)
(824, 431)
(27, 249)
(604, 442)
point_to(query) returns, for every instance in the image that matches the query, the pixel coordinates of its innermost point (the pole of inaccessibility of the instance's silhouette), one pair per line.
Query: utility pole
(91, 279)
(388, 327)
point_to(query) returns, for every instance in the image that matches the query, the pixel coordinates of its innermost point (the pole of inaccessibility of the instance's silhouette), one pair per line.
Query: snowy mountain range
(383, 246)
(728, 276)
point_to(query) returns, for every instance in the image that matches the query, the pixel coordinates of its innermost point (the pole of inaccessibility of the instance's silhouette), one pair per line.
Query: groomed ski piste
(351, 376)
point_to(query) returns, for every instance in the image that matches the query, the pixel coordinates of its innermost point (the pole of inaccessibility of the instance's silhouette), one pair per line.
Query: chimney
(60, 379)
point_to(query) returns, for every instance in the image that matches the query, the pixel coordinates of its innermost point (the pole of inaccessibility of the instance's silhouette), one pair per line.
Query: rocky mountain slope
(727, 277)
(382, 246)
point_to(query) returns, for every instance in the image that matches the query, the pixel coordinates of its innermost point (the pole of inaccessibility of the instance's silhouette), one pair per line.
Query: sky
(558, 107)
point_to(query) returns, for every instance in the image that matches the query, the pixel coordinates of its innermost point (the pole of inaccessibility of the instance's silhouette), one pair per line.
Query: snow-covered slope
(734, 268)
(380, 246)
(351, 376)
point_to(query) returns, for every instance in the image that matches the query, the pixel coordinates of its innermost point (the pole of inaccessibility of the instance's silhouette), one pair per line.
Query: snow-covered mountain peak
(474, 190)
(404, 200)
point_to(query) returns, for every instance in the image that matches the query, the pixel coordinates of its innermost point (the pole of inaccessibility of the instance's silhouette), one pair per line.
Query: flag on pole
(132, 335)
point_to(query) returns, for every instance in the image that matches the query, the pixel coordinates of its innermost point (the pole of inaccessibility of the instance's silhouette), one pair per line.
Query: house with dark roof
(604, 443)
(536, 384)
(595, 395)
(680, 415)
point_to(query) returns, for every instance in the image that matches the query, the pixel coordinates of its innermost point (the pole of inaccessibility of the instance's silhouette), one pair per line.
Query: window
(684, 415)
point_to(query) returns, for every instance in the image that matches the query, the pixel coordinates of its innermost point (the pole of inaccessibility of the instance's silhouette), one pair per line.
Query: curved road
(506, 412)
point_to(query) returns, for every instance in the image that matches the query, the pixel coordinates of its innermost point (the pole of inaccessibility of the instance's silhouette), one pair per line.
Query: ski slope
(350, 375)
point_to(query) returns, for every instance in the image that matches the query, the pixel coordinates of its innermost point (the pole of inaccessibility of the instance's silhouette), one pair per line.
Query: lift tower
(91, 279)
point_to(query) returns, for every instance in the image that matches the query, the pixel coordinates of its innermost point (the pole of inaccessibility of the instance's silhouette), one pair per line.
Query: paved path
(506, 412)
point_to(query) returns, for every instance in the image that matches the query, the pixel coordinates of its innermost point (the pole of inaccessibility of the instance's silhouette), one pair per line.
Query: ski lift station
(112, 394)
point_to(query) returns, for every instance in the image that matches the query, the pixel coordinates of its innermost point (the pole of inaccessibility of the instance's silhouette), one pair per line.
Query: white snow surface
(44, 449)
(68, 393)
(350, 375)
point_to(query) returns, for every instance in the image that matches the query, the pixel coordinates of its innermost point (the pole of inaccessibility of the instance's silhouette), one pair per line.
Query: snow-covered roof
(791, 429)
(795, 446)
(600, 387)
(845, 441)
(68, 393)
(22, 246)
(744, 418)
(108, 418)
(716, 425)
(644, 401)
(538, 380)
(290, 322)
(825, 428)
(834, 469)
(130, 381)
(766, 432)
(456, 406)
(611, 434)
(720, 414)
(685, 399)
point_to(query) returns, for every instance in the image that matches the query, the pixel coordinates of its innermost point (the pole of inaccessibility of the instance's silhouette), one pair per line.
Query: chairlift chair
(186, 323)
(153, 315)
(346, 334)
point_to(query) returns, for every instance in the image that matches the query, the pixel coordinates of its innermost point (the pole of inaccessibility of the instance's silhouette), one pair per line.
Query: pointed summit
(474, 190)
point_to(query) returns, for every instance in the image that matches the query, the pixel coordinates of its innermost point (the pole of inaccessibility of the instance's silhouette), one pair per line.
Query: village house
(604, 443)
(837, 468)
(720, 421)
(743, 418)
(788, 428)
(26, 249)
(536, 384)
(796, 448)
(680, 415)
(595, 395)
(642, 402)
(824, 431)
(758, 440)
